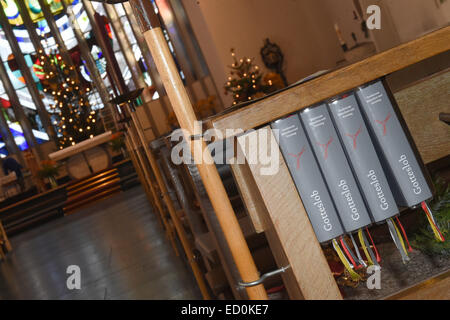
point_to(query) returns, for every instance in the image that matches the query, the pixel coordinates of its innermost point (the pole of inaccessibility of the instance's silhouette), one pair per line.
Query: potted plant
(49, 170)
(117, 144)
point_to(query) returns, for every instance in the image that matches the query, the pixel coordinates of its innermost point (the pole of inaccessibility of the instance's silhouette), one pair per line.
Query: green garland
(423, 239)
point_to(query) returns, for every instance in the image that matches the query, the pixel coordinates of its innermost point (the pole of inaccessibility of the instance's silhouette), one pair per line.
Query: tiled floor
(119, 246)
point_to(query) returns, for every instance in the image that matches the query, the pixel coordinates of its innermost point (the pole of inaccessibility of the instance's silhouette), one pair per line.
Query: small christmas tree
(71, 112)
(245, 82)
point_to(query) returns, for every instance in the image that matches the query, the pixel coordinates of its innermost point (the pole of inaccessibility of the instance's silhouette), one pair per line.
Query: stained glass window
(48, 43)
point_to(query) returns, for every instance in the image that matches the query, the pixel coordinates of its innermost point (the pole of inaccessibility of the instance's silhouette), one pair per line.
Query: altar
(87, 157)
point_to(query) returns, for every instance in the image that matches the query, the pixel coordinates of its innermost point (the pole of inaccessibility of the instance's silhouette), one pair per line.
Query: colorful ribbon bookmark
(370, 256)
(437, 233)
(353, 274)
(398, 240)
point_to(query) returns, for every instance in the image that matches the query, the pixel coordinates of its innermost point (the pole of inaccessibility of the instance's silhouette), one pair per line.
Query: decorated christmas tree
(245, 82)
(71, 112)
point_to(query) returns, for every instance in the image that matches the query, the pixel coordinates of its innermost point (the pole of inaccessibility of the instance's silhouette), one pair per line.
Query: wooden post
(145, 183)
(216, 233)
(150, 26)
(148, 180)
(187, 246)
(194, 221)
(3, 235)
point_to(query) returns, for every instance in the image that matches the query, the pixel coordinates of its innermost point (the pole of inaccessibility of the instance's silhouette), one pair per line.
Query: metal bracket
(263, 278)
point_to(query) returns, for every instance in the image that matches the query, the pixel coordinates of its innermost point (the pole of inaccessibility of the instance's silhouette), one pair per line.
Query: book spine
(307, 177)
(363, 157)
(405, 174)
(335, 168)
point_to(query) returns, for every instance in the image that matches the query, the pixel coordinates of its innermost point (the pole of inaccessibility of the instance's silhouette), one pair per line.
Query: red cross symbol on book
(354, 136)
(298, 156)
(384, 122)
(325, 146)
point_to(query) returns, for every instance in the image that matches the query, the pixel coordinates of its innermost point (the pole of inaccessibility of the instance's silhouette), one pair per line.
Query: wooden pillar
(148, 181)
(259, 216)
(8, 138)
(186, 243)
(54, 31)
(19, 112)
(193, 219)
(217, 234)
(184, 112)
(28, 77)
(90, 63)
(125, 47)
(6, 241)
(145, 184)
(124, 44)
(101, 37)
(192, 48)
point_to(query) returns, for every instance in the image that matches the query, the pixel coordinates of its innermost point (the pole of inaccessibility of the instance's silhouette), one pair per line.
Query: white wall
(302, 29)
(413, 18)
(405, 20)
(341, 12)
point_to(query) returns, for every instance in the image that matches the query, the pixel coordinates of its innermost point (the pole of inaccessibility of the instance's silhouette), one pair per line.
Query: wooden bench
(30, 211)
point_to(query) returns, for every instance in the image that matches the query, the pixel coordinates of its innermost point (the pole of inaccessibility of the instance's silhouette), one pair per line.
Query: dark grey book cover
(307, 177)
(407, 179)
(335, 168)
(363, 158)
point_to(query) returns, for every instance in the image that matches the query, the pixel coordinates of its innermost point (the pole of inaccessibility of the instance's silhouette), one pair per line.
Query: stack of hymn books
(354, 164)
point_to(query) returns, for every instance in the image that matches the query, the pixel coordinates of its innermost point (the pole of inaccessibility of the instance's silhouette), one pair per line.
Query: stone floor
(119, 246)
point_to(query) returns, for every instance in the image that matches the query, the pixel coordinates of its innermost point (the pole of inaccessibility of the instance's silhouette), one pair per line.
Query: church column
(26, 73)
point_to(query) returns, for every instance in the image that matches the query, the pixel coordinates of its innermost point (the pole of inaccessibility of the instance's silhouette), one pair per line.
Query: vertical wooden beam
(250, 196)
(145, 184)
(136, 74)
(184, 112)
(259, 215)
(186, 243)
(124, 46)
(90, 63)
(169, 230)
(290, 221)
(3, 235)
(54, 31)
(193, 218)
(215, 230)
(180, 54)
(103, 41)
(8, 138)
(19, 113)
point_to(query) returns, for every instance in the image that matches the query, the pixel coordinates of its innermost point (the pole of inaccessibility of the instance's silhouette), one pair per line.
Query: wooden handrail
(331, 84)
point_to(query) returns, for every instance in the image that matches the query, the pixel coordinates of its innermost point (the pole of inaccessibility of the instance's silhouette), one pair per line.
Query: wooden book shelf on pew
(273, 202)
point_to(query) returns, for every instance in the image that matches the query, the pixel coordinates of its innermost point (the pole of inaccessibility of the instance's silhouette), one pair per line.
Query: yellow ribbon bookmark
(363, 244)
(353, 274)
(400, 237)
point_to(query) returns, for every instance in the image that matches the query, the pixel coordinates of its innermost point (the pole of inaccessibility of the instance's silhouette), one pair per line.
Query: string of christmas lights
(71, 112)
(245, 82)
